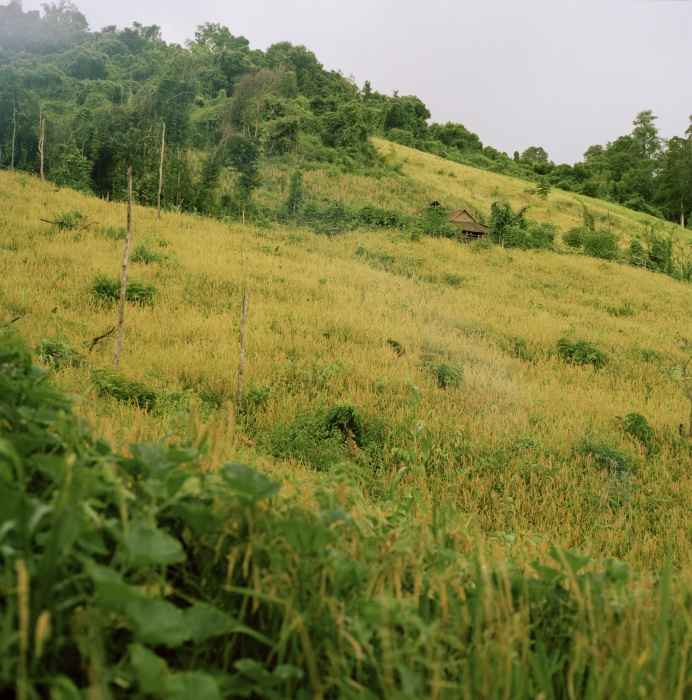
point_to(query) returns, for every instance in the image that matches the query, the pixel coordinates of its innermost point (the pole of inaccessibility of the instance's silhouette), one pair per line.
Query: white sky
(564, 74)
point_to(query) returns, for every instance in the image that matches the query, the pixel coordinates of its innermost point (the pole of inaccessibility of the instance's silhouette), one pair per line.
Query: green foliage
(327, 437)
(147, 256)
(69, 220)
(296, 194)
(637, 427)
(144, 575)
(581, 352)
(107, 289)
(58, 354)
(122, 389)
(435, 222)
(574, 238)
(617, 463)
(447, 376)
(601, 244)
(113, 233)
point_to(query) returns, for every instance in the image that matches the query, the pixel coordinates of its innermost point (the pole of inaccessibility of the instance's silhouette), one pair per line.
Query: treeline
(104, 97)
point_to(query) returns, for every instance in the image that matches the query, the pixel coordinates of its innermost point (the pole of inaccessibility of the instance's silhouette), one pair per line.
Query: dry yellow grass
(322, 310)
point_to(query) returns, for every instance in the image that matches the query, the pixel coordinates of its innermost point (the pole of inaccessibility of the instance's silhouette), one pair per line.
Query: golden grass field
(500, 448)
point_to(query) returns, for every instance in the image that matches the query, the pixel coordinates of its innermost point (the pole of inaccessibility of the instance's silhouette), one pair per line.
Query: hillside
(322, 313)
(424, 177)
(413, 397)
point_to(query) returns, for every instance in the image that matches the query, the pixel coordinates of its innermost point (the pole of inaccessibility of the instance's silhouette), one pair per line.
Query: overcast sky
(564, 74)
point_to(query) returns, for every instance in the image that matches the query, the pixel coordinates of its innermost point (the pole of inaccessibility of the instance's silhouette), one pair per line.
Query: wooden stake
(163, 153)
(241, 361)
(123, 274)
(42, 143)
(14, 131)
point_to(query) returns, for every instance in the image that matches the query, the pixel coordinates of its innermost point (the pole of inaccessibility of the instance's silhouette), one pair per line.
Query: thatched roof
(466, 222)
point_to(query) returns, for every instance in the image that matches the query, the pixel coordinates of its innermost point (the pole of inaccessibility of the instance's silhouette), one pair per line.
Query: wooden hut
(468, 227)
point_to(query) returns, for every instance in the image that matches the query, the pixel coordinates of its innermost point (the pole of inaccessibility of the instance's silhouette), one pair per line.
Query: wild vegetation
(456, 452)
(449, 471)
(80, 106)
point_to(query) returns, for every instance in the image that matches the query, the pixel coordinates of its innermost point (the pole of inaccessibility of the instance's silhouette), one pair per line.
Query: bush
(107, 289)
(113, 233)
(145, 255)
(580, 352)
(617, 463)
(446, 376)
(601, 244)
(125, 390)
(69, 220)
(326, 437)
(58, 354)
(574, 238)
(637, 427)
(375, 217)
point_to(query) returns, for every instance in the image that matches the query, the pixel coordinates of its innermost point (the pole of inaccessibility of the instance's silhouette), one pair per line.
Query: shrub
(637, 427)
(446, 376)
(636, 254)
(601, 244)
(396, 346)
(125, 390)
(107, 289)
(574, 238)
(328, 436)
(69, 220)
(580, 352)
(58, 354)
(616, 462)
(113, 233)
(621, 311)
(375, 217)
(145, 255)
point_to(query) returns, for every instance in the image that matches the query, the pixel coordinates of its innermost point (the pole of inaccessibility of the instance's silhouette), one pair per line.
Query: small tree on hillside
(243, 155)
(296, 194)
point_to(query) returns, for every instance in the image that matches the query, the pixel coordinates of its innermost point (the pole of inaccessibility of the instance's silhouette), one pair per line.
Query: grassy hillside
(514, 446)
(415, 388)
(424, 177)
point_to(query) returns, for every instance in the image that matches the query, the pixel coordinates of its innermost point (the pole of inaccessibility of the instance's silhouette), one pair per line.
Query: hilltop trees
(104, 96)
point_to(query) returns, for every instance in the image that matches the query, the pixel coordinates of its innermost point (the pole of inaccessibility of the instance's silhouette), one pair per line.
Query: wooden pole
(123, 274)
(240, 385)
(163, 153)
(42, 143)
(14, 131)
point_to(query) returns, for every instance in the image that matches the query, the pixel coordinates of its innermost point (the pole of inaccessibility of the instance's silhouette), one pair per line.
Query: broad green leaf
(193, 685)
(248, 484)
(62, 688)
(151, 670)
(110, 590)
(204, 621)
(145, 545)
(157, 622)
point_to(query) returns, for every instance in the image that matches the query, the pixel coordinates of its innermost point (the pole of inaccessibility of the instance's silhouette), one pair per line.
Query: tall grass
(140, 576)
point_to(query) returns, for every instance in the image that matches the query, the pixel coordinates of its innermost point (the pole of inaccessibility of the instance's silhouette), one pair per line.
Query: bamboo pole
(14, 131)
(163, 154)
(42, 143)
(240, 385)
(123, 274)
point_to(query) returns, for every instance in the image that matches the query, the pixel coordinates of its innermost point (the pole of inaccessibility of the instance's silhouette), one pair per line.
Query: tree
(243, 155)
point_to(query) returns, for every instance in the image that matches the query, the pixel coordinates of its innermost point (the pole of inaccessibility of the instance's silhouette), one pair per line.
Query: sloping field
(447, 353)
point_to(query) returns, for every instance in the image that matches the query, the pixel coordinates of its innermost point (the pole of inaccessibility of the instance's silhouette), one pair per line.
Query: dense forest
(87, 104)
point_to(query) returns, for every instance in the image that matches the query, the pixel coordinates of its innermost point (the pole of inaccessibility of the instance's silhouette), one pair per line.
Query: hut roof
(465, 220)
